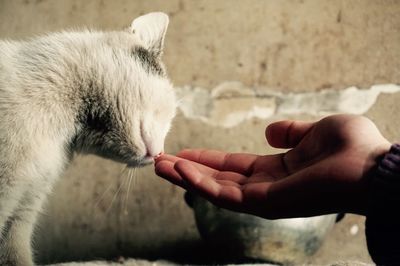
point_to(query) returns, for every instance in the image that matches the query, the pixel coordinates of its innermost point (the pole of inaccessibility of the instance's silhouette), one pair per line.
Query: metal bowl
(285, 241)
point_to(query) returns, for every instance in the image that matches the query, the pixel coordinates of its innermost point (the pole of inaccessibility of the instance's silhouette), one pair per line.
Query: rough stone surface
(290, 48)
(286, 45)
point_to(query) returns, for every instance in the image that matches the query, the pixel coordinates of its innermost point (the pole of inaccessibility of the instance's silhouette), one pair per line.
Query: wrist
(359, 197)
(382, 224)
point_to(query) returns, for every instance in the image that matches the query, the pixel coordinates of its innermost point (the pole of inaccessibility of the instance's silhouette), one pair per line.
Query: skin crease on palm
(326, 169)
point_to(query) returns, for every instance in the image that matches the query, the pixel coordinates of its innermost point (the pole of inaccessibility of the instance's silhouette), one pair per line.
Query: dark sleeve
(383, 218)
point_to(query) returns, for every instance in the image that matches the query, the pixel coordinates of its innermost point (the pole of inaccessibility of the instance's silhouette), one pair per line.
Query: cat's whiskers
(118, 190)
(108, 188)
(135, 178)
(131, 173)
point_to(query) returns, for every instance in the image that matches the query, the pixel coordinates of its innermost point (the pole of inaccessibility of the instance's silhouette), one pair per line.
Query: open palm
(325, 170)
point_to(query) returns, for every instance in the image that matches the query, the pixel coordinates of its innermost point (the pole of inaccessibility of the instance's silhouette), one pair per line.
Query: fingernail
(158, 155)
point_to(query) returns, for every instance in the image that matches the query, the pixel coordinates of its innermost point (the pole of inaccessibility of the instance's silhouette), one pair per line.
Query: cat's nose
(153, 148)
(153, 154)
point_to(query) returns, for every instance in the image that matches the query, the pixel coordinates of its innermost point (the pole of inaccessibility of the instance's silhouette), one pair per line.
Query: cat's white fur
(92, 92)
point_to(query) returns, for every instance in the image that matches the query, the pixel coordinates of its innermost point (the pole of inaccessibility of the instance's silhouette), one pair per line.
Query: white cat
(104, 93)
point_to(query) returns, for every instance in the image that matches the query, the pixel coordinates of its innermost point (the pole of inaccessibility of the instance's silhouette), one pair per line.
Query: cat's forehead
(158, 93)
(134, 48)
(158, 90)
(119, 39)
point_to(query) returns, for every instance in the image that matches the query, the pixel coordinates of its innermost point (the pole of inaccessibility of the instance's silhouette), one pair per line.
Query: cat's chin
(140, 163)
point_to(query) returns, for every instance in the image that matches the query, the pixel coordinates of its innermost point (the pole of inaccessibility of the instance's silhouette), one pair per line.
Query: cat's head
(130, 103)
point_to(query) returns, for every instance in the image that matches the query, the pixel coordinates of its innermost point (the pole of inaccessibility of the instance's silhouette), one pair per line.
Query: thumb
(287, 134)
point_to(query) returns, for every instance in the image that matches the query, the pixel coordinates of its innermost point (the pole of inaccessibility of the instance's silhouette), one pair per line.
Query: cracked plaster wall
(232, 103)
(237, 65)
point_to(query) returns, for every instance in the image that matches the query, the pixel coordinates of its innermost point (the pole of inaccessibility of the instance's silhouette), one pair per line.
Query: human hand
(326, 170)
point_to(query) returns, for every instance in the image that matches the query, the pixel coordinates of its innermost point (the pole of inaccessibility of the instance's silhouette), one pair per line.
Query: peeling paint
(232, 103)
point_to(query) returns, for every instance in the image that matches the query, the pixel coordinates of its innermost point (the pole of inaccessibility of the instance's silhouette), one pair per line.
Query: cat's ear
(151, 29)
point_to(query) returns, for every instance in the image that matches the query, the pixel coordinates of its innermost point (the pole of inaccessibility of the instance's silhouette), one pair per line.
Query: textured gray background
(283, 46)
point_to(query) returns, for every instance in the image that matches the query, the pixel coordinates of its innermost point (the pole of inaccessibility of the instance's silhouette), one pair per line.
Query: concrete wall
(270, 59)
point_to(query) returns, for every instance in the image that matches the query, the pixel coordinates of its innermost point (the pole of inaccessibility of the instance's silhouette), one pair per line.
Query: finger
(196, 178)
(165, 169)
(223, 193)
(167, 157)
(270, 167)
(165, 163)
(287, 134)
(235, 162)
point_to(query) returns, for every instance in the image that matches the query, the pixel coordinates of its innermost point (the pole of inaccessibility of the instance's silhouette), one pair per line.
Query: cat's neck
(53, 85)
